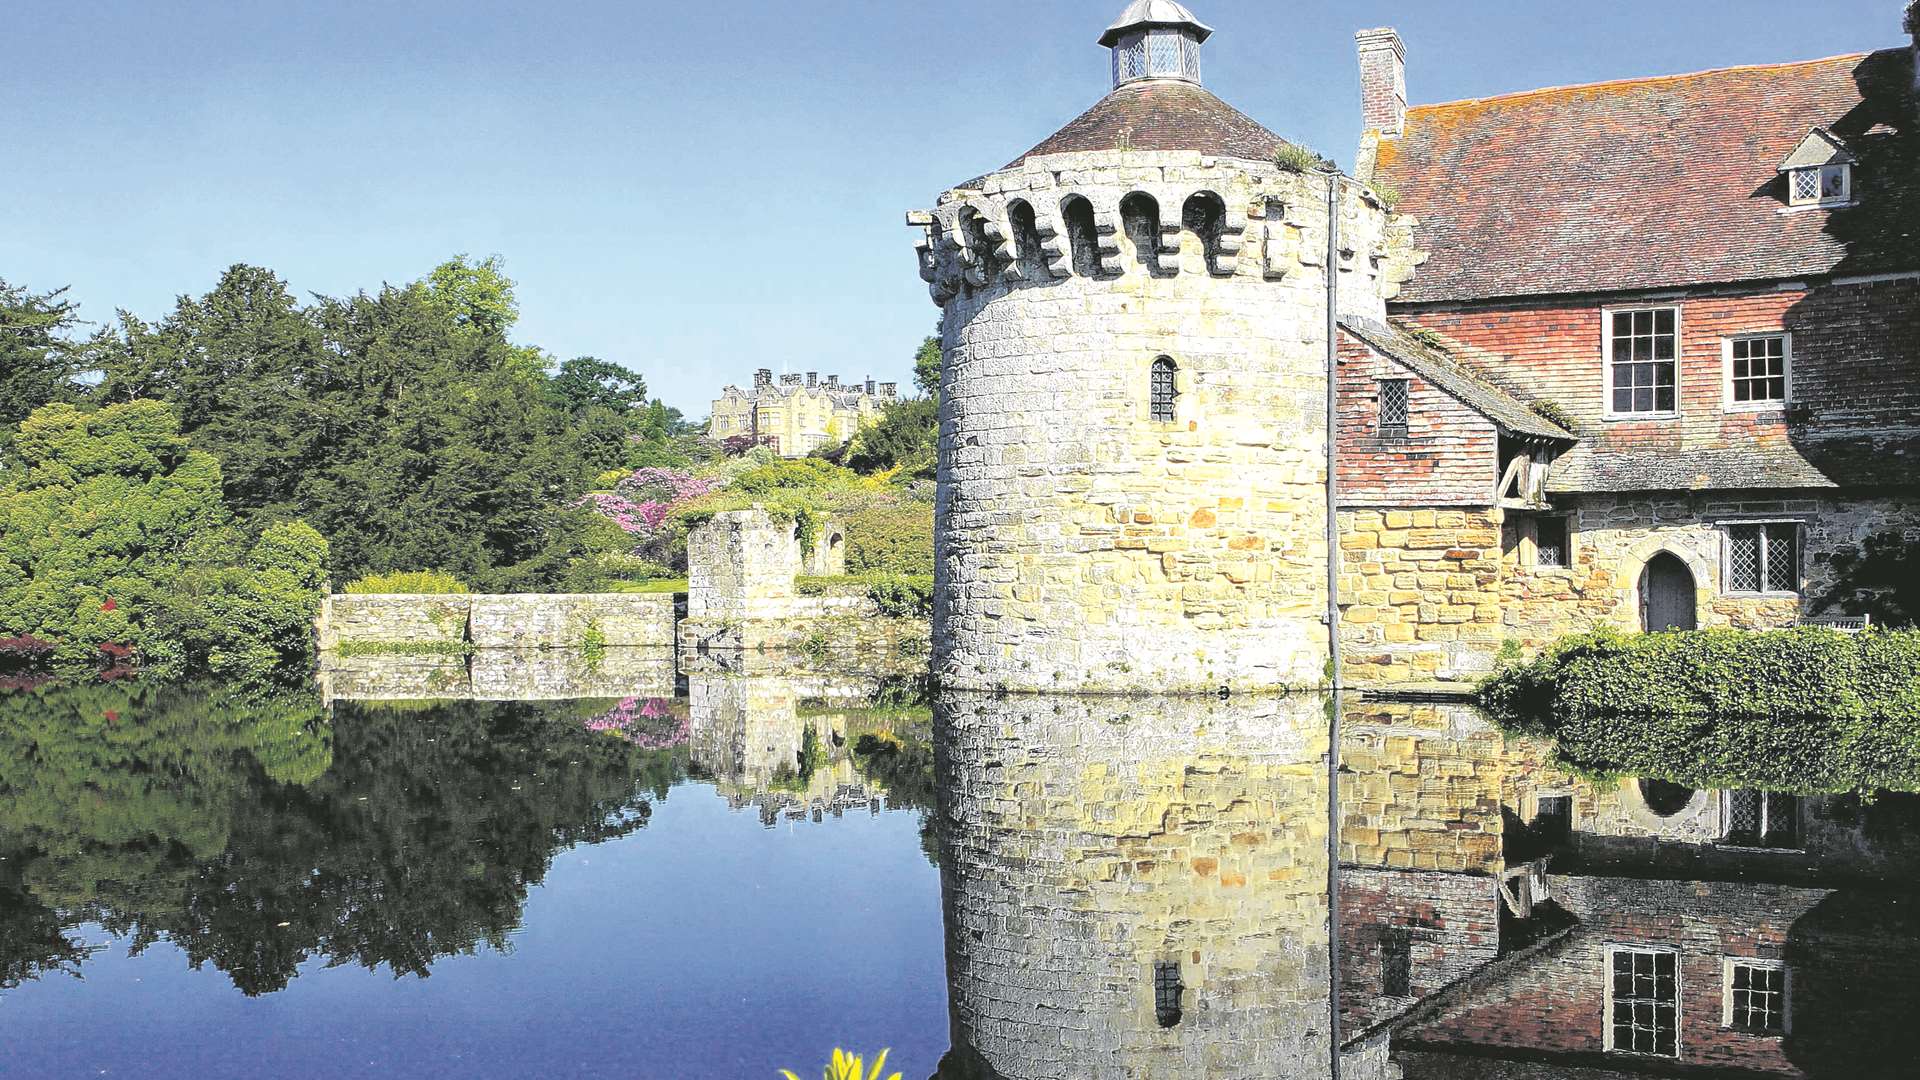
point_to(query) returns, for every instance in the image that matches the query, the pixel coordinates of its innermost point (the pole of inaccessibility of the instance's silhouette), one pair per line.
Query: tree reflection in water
(256, 833)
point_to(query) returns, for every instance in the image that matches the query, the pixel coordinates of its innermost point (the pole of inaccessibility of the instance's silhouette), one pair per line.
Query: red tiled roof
(1163, 115)
(1657, 183)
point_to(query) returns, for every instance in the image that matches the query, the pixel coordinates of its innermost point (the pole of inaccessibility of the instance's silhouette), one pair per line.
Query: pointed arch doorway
(1668, 595)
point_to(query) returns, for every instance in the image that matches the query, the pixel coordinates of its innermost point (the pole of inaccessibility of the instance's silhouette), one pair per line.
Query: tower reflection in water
(1139, 887)
(1135, 886)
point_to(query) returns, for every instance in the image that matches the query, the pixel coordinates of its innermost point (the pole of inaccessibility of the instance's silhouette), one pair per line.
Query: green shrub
(115, 539)
(890, 539)
(901, 596)
(1807, 710)
(409, 583)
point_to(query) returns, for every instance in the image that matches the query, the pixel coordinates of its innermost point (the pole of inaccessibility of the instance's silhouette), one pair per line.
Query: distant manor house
(1642, 354)
(800, 413)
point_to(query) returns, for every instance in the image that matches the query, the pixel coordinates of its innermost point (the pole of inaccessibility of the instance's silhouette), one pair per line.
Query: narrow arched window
(1164, 392)
(1027, 246)
(1140, 214)
(1206, 216)
(1082, 233)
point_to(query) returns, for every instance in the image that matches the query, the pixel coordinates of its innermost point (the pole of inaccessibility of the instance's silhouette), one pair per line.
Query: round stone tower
(1133, 391)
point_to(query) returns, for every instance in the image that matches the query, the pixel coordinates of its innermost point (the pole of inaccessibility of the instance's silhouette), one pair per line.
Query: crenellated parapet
(1106, 215)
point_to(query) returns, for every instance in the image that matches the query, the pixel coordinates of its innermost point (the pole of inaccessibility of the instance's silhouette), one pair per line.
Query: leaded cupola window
(1155, 39)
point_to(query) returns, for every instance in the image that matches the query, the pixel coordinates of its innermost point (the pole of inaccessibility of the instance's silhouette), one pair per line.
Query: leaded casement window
(1756, 996)
(1643, 1001)
(1825, 185)
(1643, 361)
(1759, 370)
(1166, 994)
(1393, 409)
(1164, 392)
(1552, 547)
(1763, 558)
(1761, 819)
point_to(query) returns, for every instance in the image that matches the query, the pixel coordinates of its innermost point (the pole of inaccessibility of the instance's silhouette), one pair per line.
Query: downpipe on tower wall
(1333, 624)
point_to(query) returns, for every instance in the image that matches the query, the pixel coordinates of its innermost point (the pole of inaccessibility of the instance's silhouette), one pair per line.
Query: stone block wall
(1420, 594)
(530, 621)
(613, 620)
(1613, 537)
(741, 565)
(393, 620)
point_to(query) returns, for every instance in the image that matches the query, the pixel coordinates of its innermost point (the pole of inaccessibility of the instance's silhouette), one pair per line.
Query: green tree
(477, 294)
(926, 368)
(402, 424)
(109, 518)
(37, 360)
(588, 382)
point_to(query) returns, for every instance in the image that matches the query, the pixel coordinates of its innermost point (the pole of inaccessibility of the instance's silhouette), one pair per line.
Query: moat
(722, 873)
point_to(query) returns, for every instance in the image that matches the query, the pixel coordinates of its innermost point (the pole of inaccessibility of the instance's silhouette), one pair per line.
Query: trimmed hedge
(1807, 711)
(408, 583)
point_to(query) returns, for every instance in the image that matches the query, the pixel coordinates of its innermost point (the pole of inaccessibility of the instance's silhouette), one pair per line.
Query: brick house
(1660, 368)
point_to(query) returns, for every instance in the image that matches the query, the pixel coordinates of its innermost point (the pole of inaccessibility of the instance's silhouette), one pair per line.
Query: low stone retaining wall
(530, 621)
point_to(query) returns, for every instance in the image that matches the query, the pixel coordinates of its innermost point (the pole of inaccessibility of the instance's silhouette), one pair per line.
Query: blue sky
(693, 190)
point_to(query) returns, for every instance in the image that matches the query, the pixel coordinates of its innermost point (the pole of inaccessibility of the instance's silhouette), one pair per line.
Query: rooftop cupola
(1156, 39)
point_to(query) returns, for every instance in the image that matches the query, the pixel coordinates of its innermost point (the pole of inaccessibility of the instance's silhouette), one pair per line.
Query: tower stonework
(1133, 392)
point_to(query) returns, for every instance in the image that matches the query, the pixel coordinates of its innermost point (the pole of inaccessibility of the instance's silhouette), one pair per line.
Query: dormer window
(1819, 172)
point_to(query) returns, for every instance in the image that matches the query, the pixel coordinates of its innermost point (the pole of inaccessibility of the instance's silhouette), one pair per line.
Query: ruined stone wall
(743, 597)
(1420, 595)
(1082, 544)
(741, 565)
(529, 621)
(1085, 840)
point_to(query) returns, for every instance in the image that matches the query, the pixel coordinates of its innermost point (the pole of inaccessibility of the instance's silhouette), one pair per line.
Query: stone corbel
(1054, 247)
(1106, 237)
(1233, 238)
(999, 234)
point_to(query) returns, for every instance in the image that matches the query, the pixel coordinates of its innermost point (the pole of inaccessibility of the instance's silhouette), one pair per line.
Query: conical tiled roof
(1162, 114)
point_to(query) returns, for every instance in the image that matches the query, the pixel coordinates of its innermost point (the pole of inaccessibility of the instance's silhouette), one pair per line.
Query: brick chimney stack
(1383, 80)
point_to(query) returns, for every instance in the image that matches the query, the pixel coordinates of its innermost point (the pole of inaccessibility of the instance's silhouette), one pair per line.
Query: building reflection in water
(1137, 887)
(1134, 886)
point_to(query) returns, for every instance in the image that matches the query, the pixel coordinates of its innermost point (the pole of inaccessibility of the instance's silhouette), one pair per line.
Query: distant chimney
(1383, 80)
(763, 378)
(833, 380)
(813, 379)
(869, 386)
(1913, 28)
(889, 391)
(790, 380)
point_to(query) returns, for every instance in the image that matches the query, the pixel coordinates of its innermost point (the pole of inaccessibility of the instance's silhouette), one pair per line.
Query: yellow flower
(845, 1066)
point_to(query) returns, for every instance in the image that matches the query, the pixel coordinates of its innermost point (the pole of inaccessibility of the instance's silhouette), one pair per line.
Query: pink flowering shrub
(648, 724)
(642, 501)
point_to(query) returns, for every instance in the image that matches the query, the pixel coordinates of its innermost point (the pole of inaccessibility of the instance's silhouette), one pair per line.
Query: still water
(630, 871)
